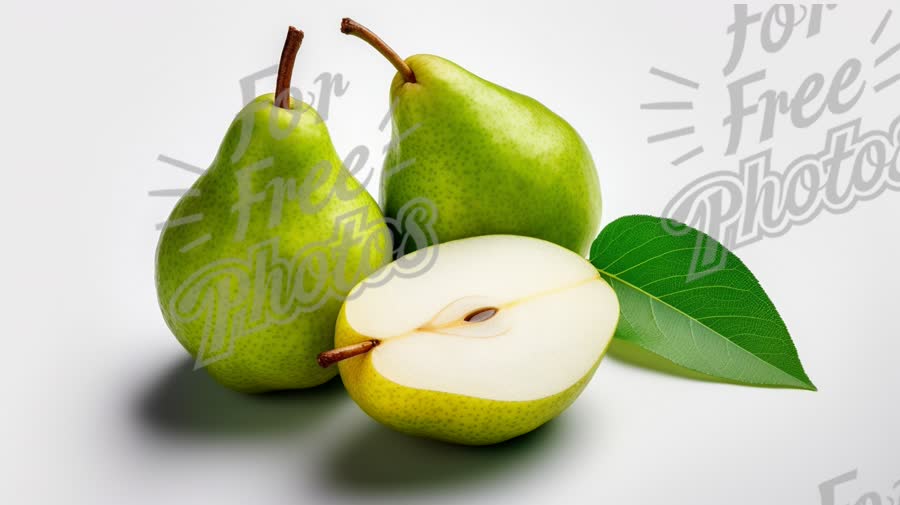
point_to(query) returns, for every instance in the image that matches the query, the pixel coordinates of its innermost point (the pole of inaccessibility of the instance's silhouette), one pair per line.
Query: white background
(100, 404)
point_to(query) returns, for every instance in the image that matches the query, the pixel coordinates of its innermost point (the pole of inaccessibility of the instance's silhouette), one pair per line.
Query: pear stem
(328, 358)
(351, 27)
(286, 67)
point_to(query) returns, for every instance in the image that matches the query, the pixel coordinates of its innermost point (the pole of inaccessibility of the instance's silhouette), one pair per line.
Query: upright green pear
(490, 160)
(256, 259)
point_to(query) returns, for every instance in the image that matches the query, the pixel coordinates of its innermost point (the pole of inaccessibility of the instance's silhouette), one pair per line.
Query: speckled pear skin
(443, 416)
(280, 352)
(492, 161)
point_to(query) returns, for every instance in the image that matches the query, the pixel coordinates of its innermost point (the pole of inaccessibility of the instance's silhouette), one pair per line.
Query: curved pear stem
(351, 27)
(286, 67)
(328, 358)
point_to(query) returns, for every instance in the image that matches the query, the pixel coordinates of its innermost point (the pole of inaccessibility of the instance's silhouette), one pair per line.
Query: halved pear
(496, 337)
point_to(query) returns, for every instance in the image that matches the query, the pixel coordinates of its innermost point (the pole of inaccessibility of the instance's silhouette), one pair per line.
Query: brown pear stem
(286, 67)
(351, 27)
(328, 358)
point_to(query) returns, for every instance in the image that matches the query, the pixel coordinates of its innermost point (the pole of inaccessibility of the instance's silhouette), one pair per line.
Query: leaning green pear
(495, 336)
(257, 301)
(491, 161)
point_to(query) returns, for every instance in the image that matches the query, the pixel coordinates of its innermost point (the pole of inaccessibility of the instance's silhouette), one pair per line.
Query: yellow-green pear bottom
(444, 416)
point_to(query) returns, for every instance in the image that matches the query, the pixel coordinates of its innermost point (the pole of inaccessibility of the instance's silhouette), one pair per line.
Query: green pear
(256, 259)
(498, 336)
(492, 161)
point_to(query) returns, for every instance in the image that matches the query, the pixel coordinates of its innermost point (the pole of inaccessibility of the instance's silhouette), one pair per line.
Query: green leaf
(686, 298)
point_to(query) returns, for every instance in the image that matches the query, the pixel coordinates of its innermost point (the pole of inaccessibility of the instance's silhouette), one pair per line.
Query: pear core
(501, 317)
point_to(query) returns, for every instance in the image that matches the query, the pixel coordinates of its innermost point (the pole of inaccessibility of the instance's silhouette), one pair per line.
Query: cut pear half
(501, 317)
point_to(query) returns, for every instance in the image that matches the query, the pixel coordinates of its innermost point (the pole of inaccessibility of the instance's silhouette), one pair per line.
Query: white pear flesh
(554, 319)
